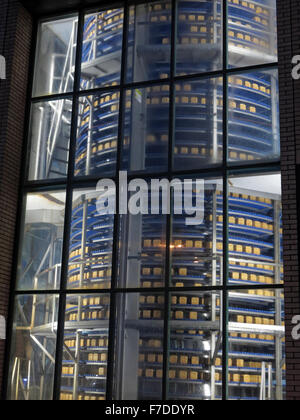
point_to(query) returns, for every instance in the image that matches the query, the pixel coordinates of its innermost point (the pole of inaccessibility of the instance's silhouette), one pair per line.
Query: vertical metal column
(76, 366)
(28, 380)
(130, 336)
(18, 378)
(128, 339)
(215, 120)
(262, 395)
(270, 379)
(43, 362)
(215, 89)
(133, 249)
(90, 136)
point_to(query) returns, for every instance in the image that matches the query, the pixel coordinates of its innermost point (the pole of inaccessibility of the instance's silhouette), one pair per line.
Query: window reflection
(256, 357)
(42, 240)
(97, 135)
(195, 369)
(55, 58)
(197, 251)
(199, 36)
(198, 123)
(102, 49)
(91, 243)
(32, 358)
(253, 118)
(252, 35)
(255, 230)
(138, 289)
(139, 344)
(85, 349)
(145, 144)
(50, 130)
(149, 42)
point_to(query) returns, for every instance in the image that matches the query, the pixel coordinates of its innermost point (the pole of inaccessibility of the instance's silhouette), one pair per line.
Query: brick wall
(289, 45)
(15, 42)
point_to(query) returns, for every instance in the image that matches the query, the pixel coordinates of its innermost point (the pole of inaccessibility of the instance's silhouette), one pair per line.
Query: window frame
(225, 169)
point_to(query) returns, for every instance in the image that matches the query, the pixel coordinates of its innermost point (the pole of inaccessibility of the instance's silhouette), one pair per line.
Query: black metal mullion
(68, 216)
(224, 308)
(51, 97)
(168, 269)
(117, 221)
(47, 185)
(158, 290)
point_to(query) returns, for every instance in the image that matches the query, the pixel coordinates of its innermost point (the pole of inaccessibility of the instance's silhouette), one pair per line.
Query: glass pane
(41, 241)
(149, 42)
(49, 139)
(255, 230)
(55, 57)
(84, 366)
(142, 251)
(195, 358)
(197, 245)
(97, 136)
(139, 347)
(198, 123)
(253, 118)
(102, 49)
(199, 36)
(252, 32)
(146, 131)
(256, 345)
(91, 243)
(32, 355)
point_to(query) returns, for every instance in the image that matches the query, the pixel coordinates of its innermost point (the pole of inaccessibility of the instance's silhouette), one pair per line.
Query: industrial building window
(148, 306)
